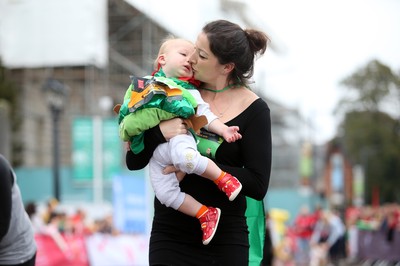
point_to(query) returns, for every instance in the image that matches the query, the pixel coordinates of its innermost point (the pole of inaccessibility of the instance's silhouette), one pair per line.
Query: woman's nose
(192, 57)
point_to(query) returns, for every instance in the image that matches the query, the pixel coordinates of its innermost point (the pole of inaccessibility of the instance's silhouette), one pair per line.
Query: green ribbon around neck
(221, 90)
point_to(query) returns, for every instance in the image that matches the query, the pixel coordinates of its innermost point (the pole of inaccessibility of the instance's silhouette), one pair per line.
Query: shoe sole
(234, 194)
(215, 229)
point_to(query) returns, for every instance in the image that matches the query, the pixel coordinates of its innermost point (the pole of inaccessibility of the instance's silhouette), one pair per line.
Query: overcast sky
(323, 42)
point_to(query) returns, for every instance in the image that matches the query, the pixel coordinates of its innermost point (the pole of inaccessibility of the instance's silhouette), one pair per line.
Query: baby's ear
(161, 60)
(117, 108)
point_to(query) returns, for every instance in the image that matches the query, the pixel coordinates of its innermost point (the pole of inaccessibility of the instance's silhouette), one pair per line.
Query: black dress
(176, 237)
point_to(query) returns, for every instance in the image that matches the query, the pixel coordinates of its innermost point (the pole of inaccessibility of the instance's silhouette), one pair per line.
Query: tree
(8, 95)
(370, 134)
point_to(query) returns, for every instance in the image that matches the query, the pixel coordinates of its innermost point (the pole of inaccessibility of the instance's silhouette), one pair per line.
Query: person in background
(303, 228)
(328, 242)
(36, 219)
(17, 243)
(51, 206)
(224, 63)
(268, 255)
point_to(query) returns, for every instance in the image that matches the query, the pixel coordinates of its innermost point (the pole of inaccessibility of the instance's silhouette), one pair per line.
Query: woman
(223, 62)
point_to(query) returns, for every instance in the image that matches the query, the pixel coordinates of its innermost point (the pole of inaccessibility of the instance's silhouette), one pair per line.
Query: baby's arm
(230, 134)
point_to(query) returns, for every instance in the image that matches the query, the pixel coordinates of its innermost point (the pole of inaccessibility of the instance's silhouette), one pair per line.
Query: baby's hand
(231, 134)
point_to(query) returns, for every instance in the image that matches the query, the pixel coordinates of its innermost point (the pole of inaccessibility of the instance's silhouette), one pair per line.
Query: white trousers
(180, 151)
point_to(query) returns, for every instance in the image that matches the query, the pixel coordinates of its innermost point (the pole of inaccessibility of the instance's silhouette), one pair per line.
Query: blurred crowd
(330, 237)
(315, 237)
(56, 222)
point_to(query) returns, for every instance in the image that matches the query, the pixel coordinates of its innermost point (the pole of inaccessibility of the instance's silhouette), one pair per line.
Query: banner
(108, 250)
(93, 250)
(88, 136)
(50, 254)
(82, 148)
(376, 245)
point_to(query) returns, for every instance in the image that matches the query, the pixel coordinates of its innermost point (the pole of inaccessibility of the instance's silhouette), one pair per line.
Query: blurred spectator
(79, 223)
(268, 256)
(317, 213)
(303, 228)
(390, 221)
(53, 230)
(328, 240)
(17, 244)
(286, 249)
(282, 241)
(277, 222)
(51, 206)
(369, 219)
(352, 235)
(36, 220)
(106, 226)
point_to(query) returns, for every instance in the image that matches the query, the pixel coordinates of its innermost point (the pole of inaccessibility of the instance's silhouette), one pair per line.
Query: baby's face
(176, 59)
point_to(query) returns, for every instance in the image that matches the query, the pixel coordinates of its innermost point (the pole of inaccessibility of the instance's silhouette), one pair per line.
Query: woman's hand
(171, 128)
(127, 146)
(171, 169)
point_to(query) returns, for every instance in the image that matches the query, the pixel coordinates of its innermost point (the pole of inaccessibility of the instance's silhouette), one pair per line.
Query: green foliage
(6, 88)
(371, 137)
(369, 86)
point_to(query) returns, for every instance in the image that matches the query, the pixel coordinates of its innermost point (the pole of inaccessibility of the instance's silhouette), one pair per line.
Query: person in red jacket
(303, 229)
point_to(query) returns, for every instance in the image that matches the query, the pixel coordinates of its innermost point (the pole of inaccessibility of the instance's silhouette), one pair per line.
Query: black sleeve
(6, 182)
(256, 155)
(152, 138)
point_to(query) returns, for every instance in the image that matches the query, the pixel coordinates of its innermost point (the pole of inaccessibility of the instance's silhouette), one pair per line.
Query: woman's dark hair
(232, 44)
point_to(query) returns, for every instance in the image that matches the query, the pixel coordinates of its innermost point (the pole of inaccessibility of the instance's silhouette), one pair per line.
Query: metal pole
(98, 160)
(56, 153)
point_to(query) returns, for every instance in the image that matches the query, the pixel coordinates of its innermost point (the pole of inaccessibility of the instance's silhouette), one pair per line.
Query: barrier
(107, 250)
(373, 244)
(73, 252)
(93, 250)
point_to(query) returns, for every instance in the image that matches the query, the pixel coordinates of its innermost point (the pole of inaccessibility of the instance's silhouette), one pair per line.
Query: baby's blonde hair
(164, 43)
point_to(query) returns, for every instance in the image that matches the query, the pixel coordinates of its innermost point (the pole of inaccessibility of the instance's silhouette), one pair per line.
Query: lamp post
(55, 93)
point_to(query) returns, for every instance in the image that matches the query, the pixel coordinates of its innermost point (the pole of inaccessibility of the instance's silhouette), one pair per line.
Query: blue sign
(130, 203)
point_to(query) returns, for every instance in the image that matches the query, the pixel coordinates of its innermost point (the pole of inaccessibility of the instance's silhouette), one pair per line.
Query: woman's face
(204, 63)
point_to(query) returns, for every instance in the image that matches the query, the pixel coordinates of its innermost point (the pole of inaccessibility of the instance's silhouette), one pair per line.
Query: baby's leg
(185, 157)
(168, 192)
(166, 187)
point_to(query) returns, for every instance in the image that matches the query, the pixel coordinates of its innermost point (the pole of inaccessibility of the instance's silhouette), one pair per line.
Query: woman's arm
(256, 154)
(152, 138)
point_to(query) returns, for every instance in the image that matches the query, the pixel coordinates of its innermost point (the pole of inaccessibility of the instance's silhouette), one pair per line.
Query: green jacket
(150, 100)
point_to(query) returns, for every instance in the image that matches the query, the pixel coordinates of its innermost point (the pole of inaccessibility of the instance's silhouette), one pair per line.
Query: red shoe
(209, 223)
(230, 185)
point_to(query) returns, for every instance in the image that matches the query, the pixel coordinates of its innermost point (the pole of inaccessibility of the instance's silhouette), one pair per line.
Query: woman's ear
(228, 68)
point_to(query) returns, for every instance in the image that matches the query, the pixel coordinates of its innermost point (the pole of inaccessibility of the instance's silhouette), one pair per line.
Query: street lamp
(56, 94)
